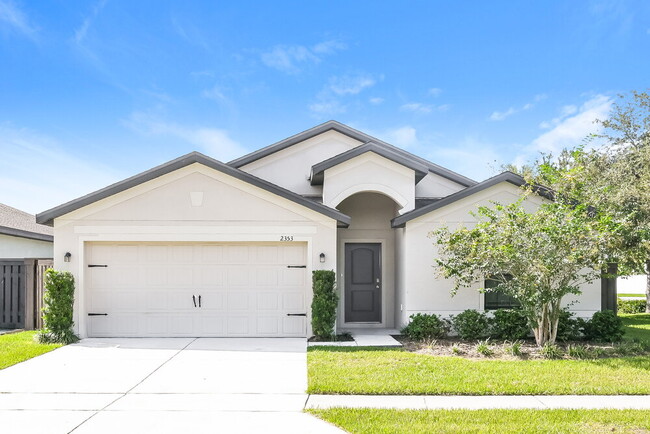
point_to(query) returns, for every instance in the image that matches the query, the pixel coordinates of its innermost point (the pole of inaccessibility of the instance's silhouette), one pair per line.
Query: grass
(378, 371)
(630, 294)
(18, 347)
(637, 326)
(365, 420)
(370, 371)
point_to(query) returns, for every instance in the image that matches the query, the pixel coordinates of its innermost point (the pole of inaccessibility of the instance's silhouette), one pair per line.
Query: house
(25, 252)
(196, 247)
(21, 237)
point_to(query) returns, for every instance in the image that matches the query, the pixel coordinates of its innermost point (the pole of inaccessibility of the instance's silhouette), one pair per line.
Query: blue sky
(93, 92)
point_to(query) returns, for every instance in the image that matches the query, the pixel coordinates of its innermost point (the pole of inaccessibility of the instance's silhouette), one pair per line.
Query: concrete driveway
(161, 385)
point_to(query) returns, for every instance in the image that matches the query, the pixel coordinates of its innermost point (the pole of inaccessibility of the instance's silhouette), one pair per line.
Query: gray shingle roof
(18, 223)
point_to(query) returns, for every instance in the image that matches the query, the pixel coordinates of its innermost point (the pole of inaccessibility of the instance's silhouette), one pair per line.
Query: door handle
(199, 301)
(194, 300)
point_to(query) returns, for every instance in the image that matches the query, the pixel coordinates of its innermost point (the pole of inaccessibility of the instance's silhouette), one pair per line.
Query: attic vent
(197, 198)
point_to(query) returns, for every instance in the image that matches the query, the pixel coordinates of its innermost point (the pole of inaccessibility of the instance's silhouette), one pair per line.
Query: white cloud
(502, 115)
(351, 84)
(329, 47)
(434, 91)
(292, 58)
(499, 116)
(11, 14)
(214, 93)
(404, 137)
(81, 32)
(416, 107)
(334, 98)
(216, 142)
(36, 173)
(376, 100)
(575, 124)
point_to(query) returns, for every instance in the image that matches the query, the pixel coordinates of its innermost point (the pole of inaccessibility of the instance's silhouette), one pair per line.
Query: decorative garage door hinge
(296, 266)
(97, 314)
(96, 266)
(296, 314)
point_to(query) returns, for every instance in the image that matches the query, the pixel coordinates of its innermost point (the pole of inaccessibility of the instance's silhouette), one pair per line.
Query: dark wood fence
(21, 292)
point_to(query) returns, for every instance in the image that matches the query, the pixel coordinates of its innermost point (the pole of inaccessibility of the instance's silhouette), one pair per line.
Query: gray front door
(362, 282)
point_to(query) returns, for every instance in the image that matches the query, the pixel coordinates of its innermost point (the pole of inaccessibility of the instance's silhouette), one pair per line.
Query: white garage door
(233, 289)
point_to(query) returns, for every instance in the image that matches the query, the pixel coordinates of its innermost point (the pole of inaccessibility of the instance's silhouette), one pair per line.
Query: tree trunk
(647, 286)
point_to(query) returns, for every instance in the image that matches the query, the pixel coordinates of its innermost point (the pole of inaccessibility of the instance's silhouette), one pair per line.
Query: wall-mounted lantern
(67, 256)
(322, 258)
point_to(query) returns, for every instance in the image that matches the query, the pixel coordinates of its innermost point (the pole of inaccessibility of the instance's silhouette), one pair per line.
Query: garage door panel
(268, 301)
(245, 289)
(267, 325)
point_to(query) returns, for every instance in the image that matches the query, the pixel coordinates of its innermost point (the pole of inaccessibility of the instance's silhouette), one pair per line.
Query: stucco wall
(425, 292)
(434, 185)
(18, 248)
(632, 284)
(291, 167)
(371, 214)
(370, 172)
(162, 210)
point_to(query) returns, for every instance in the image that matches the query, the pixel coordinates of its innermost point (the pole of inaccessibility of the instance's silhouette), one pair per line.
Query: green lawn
(17, 347)
(637, 326)
(629, 294)
(487, 421)
(379, 371)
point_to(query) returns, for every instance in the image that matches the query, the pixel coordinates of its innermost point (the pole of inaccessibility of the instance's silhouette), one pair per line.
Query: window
(497, 300)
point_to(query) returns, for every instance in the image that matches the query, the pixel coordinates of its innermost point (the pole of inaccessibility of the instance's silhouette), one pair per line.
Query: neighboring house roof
(318, 170)
(512, 178)
(355, 134)
(47, 217)
(18, 223)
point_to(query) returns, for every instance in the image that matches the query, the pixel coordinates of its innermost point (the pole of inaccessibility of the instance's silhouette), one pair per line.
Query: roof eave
(13, 232)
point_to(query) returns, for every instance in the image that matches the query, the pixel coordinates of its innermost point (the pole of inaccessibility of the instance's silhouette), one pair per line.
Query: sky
(92, 92)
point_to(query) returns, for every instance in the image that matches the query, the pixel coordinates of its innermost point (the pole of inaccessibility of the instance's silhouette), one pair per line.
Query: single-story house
(21, 237)
(197, 247)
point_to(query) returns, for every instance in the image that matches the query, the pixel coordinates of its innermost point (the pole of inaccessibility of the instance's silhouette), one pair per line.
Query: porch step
(375, 340)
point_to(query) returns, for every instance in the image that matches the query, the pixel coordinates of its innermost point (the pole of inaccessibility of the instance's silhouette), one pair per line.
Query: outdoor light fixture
(67, 256)
(322, 258)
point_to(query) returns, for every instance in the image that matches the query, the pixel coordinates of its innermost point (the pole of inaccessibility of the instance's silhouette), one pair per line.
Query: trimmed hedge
(426, 326)
(58, 301)
(471, 324)
(323, 305)
(631, 306)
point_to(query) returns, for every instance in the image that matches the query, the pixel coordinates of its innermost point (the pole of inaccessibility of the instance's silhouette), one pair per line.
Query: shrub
(470, 324)
(568, 327)
(426, 326)
(509, 325)
(58, 301)
(551, 351)
(484, 348)
(578, 352)
(604, 326)
(630, 349)
(456, 350)
(514, 349)
(323, 305)
(631, 306)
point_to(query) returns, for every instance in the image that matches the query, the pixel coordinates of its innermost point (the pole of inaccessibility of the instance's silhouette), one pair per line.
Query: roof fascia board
(318, 170)
(512, 178)
(4, 230)
(47, 217)
(355, 134)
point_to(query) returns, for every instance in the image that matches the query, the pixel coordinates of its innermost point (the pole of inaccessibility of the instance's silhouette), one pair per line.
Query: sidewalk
(619, 402)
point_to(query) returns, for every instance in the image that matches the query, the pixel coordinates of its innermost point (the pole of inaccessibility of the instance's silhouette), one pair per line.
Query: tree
(610, 173)
(535, 257)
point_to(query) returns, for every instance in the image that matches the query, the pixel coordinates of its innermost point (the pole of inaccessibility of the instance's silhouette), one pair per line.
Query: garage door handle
(296, 266)
(194, 300)
(296, 314)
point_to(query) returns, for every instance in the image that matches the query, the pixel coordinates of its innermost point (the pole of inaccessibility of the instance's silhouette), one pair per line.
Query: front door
(362, 282)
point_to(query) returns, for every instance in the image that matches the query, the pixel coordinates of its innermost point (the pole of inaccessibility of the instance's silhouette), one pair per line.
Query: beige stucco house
(196, 247)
